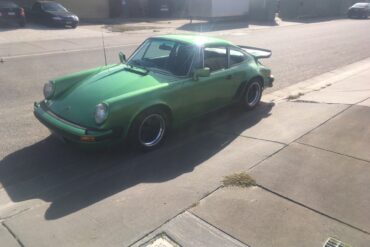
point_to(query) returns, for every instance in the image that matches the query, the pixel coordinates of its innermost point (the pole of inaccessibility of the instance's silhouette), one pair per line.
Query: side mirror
(205, 72)
(122, 57)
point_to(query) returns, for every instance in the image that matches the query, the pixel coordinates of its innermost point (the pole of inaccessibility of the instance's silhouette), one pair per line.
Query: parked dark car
(11, 12)
(52, 14)
(359, 10)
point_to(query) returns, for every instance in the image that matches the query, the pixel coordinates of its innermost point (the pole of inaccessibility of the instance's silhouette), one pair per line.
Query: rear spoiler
(257, 52)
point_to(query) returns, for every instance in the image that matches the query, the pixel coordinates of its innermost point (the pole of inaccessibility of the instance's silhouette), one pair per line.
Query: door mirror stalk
(204, 72)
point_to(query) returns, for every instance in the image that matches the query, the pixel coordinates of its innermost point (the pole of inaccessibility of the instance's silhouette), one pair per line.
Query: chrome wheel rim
(253, 94)
(151, 130)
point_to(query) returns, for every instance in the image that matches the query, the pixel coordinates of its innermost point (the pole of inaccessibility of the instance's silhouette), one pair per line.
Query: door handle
(229, 77)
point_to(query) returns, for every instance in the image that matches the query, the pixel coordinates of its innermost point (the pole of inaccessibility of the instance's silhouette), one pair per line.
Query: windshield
(53, 7)
(164, 56)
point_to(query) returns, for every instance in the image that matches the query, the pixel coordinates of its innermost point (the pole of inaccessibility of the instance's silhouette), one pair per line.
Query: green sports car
(167, 80)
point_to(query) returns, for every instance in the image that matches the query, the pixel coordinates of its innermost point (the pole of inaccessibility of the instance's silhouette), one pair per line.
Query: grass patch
(126, 28)
(238, 180)
(295, 96)
(195, 204)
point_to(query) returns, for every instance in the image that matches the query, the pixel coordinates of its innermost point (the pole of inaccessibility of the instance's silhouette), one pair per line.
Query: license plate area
(11, 13)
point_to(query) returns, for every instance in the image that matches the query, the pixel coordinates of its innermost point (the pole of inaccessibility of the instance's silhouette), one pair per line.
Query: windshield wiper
(136, 64)
(137, 69)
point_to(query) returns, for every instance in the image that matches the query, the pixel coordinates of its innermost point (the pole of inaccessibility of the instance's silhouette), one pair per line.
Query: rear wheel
(150, 129)
(252, 95)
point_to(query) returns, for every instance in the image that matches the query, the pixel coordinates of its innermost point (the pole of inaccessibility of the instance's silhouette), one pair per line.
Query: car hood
(77, 104)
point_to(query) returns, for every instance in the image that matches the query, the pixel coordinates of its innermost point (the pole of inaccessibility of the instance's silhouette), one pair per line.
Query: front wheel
(149, 129)
(252, 95)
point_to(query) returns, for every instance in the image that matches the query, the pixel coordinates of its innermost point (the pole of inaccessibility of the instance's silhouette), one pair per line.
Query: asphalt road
(35, 166)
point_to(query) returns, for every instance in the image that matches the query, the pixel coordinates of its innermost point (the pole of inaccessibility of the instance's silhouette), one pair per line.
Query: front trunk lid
(77, 104)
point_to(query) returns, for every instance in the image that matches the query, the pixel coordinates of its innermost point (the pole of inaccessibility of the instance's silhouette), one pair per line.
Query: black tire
(252, 94)
(74, 26)
(150, 129)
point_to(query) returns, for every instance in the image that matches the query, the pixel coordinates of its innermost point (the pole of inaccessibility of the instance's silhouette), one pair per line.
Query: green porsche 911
(167, 80)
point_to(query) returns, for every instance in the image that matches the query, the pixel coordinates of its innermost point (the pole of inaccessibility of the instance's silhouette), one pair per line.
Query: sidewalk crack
(13, 234)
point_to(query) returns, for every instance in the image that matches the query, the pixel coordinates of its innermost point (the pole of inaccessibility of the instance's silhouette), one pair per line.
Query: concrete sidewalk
(315, 188)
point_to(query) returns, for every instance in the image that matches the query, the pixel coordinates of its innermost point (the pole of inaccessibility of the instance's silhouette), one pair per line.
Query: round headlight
(101, 113)
(48, 90)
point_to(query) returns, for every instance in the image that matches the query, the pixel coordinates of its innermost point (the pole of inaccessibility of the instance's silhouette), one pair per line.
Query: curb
(317, 83)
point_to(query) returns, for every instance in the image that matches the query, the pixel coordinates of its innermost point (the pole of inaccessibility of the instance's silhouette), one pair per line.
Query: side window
(36, 7)
(215, 58)
(236, 57)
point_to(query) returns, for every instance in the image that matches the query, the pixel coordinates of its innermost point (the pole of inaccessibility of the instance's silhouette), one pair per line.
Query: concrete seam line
(346, 155)
(16, 214)
(334, 116)
(318, 126)
(13, 234)
(269, 156)
(182, 211)
(312, 209)
(248, 137)
(265, 140)
(361, 101)
(219, 229)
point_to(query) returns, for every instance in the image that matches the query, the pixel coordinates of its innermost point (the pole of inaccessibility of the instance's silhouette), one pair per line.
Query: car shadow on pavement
(72, 179)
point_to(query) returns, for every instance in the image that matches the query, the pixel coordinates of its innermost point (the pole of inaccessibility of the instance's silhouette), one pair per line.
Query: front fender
(124, 109)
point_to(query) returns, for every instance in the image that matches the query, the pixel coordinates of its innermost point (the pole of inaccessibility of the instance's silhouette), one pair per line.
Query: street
(50, 191)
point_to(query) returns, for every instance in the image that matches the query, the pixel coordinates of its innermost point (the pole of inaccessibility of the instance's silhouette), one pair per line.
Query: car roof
(195, 39)
(361, 4)
(45, 1)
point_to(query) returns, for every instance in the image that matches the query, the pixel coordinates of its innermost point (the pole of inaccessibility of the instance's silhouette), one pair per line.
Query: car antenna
(105, 53)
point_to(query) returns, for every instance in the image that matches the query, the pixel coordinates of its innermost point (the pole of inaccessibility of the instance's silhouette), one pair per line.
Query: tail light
(22, 12)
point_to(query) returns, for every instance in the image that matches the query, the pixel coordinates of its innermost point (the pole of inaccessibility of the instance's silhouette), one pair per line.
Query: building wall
(88, 9)
(263, 10)
(314, 8)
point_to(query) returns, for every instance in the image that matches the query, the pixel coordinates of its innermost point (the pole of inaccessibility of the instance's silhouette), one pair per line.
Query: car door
(37, 13)
(215, 91)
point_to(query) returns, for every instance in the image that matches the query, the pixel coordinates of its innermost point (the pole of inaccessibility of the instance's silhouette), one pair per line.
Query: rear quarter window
(236, 57)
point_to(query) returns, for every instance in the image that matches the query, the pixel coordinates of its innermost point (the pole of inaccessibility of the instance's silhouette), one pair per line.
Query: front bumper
(70, 131)
(269, 81)
(63, 23)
